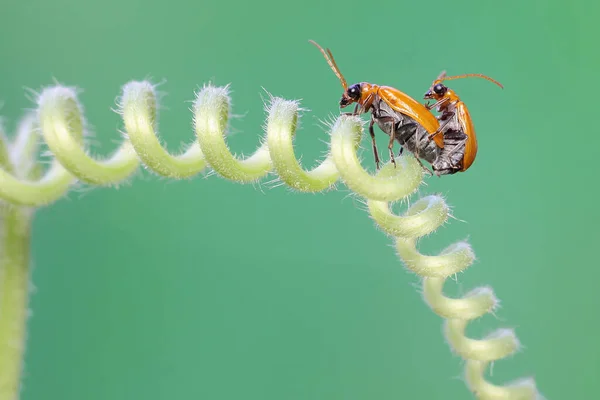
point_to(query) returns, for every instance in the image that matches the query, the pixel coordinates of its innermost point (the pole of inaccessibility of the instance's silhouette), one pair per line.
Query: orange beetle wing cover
(406, 105)
(467, 125)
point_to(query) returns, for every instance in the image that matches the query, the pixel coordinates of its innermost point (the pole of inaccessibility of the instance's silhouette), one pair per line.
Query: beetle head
(437, 89)
(351, 95)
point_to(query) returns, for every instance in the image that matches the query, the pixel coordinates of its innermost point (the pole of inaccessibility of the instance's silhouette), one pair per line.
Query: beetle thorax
(368, 94)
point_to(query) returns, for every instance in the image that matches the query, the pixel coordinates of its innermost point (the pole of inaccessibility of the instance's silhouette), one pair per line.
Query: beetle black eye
(354, 92)
(439, 89)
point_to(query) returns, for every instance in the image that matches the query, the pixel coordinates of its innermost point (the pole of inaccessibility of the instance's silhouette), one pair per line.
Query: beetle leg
(372, 132)
(357, 110)
(392, 138)
(422, 165)
(391, 145)
(352, 114)
(434, 105)
(454, 150)
(442, 126)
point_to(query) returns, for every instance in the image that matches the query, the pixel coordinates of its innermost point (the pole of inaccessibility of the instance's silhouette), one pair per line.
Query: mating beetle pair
(448, 142)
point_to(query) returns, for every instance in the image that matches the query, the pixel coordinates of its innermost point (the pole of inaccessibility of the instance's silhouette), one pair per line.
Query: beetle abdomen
(415, 139)
(451, 156)
(407, 131)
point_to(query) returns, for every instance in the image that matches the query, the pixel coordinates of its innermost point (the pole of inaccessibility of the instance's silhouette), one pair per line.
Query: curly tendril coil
(62, 125)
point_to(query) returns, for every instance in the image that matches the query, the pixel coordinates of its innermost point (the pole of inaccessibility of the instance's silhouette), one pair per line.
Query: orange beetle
(456, 126)
(403, 118)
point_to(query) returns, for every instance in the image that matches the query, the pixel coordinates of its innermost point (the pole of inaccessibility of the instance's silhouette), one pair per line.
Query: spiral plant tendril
(59, 120)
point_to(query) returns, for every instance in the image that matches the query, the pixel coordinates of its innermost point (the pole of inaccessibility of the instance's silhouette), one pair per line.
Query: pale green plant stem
(138, 106)
(521, 389)
(391, 183)
(63, 127)
(211, 114)
(15, 228)
(50, 188)
(281, 128)
(14, 293)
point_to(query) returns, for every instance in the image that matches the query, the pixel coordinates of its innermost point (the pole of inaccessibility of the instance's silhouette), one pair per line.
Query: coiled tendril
(62, 125)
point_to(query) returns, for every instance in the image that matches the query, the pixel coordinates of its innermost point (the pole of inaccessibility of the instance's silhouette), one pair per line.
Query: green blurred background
(213, 290)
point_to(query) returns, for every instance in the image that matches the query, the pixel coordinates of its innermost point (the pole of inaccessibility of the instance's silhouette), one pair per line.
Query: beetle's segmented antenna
(448, 78)
(331, 61)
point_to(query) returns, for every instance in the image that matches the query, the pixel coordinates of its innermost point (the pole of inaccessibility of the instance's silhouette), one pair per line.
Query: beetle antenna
(473, 75)
(331, 61)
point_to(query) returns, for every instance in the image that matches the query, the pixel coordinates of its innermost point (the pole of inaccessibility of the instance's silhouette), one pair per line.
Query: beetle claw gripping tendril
(61, 124)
